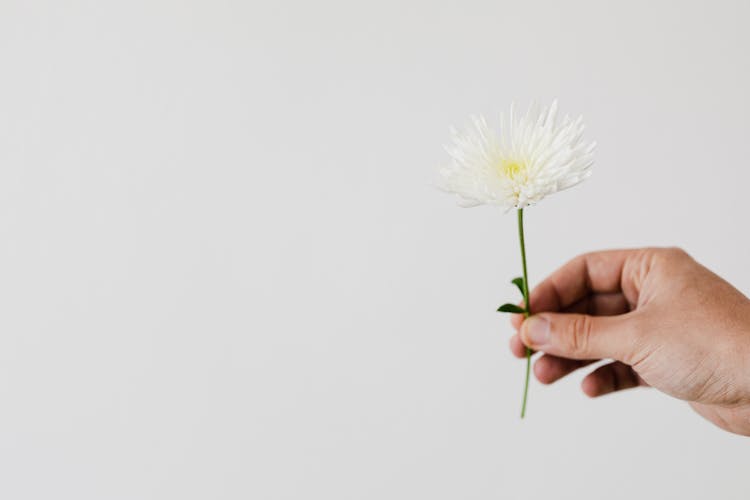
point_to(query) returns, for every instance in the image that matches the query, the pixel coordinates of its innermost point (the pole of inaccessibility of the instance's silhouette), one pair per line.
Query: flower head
(532, 157)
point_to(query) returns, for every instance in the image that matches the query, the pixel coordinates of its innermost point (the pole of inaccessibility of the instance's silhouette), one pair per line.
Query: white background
(224, 273)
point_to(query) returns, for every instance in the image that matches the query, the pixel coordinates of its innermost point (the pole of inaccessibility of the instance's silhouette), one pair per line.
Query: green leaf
(511, 308)
(519, 283)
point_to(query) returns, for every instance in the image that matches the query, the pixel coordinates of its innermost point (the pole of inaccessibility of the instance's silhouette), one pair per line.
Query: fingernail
(536, 331)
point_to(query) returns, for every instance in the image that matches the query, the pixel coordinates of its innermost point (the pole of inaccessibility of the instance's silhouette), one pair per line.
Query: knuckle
(578, 334)
(586, 257)
(635, 349)
(669, 259)
(674, 253)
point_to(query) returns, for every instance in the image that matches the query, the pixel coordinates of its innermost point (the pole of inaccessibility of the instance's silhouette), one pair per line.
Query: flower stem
(527, 305)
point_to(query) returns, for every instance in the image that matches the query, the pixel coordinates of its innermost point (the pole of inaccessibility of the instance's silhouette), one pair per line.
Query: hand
(665, 321)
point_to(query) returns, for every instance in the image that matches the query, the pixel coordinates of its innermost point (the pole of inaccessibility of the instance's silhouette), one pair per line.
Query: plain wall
(224, 272)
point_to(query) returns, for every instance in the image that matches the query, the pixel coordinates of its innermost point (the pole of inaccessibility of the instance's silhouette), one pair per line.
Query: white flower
(532, 157)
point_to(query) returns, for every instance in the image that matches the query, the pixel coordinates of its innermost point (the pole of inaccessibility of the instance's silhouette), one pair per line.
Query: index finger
(586, 274)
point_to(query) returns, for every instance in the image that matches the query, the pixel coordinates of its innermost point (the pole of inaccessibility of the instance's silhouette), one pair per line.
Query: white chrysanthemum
(533, 156)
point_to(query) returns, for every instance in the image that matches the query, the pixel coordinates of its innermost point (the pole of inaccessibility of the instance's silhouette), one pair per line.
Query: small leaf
(519, 283)
(511, 308)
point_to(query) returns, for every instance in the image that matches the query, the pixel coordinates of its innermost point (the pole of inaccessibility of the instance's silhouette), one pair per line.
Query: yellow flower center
(513, 170)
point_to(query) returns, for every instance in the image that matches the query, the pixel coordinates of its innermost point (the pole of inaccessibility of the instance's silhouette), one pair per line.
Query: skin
(663, 319)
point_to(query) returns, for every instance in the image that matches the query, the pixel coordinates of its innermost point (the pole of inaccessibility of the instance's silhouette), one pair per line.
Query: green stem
(527, 305)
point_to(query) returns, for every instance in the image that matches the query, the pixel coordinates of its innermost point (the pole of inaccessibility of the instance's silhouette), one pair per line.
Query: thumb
(580, 336)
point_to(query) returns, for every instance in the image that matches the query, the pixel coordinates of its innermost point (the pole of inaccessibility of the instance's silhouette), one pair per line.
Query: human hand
(665, 321)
